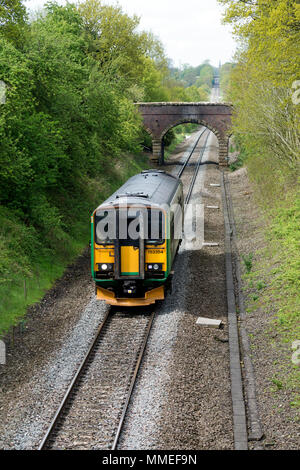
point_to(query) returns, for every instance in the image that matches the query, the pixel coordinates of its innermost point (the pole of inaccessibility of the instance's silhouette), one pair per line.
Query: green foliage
(261, 285)
(24, 256)
(66, 128)
(12, 21)
(135, 60)
(248, 261)
(266, 127)
(176, 135)
(201, 75)
(236, 165)
(62, 107)
(225, 76)
(191, 83)
(241, 154)
(194, 93)
(205, 77)
(278, 384)
(266, 117)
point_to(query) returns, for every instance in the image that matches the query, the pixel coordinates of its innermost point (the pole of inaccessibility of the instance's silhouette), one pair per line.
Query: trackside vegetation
(69, 132)
(264, 87)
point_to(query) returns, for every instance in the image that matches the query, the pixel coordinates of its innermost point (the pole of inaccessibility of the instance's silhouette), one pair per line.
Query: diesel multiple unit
(135, 236)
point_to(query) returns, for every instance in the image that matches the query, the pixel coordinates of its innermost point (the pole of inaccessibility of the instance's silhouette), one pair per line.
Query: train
(135, 235)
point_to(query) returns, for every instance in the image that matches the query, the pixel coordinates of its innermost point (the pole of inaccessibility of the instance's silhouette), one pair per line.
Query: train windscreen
(126, 225)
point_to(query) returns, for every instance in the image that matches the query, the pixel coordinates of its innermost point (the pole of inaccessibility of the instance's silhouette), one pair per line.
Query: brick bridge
(159, 118)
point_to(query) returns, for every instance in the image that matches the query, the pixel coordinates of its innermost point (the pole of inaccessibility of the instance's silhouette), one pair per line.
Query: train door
(130, 245)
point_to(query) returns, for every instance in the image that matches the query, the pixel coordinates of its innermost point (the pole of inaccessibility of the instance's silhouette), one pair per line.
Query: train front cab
(131, 272)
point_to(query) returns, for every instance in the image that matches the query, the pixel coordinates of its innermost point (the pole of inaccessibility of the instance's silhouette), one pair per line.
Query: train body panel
(133, 239)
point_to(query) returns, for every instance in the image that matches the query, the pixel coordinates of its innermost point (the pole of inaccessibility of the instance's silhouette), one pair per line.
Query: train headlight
(155, 267)
(105, 267)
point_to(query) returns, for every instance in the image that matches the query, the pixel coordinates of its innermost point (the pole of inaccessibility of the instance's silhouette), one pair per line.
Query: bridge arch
(159, 118)
(192, 121)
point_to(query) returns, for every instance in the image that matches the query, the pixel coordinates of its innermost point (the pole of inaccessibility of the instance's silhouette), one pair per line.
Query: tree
(12, 20)
(201, 75)
(261, 85)
(225, 77)
(115, 43)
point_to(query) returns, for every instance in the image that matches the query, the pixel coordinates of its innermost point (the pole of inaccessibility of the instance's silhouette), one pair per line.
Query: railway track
(181, 171)
(93, 410)
(198, 163)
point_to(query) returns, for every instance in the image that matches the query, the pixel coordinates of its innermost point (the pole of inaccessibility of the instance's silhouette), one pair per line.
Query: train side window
(172, 226)
(155, 227)
(105, 224)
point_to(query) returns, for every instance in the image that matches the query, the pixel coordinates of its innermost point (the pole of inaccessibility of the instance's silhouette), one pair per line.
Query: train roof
(149, 186)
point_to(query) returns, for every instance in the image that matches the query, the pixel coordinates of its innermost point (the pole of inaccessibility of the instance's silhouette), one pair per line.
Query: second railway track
(187, 160)
(197, 165)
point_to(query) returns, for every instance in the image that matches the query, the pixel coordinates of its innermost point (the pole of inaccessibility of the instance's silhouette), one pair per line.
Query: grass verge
(272, 274)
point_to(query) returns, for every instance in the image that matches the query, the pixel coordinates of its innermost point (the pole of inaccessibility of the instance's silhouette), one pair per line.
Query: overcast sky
(190, 30)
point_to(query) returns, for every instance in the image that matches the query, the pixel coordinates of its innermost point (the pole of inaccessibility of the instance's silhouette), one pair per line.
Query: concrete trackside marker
(215, 185)
(212, 207)
(209, 323)
(210, 244)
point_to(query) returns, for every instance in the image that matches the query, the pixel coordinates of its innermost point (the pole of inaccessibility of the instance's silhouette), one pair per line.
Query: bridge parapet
(160, 117)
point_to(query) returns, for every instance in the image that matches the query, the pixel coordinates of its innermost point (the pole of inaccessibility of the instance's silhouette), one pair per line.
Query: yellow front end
(129, 270)
(150, 297)
(130, 261)
(130, 257)
(103, 255)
